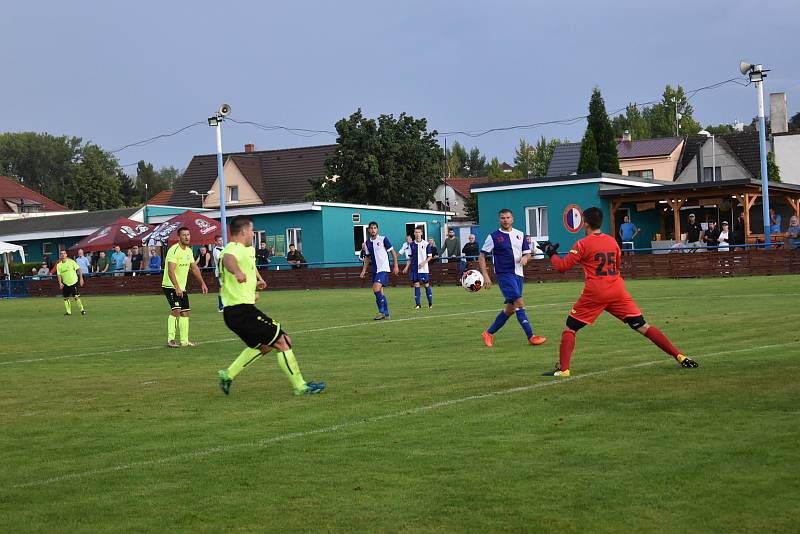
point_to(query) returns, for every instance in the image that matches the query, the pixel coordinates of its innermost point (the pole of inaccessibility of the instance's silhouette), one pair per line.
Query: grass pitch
(422, 429)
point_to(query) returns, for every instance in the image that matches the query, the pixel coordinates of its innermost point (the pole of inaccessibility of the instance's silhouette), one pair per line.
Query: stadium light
(216, 122)
(202, 195)
(757, 73)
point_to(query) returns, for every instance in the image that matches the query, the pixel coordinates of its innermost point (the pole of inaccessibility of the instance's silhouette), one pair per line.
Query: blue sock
(219, 301)
(379, 301)
(499, 321)
(522, 317)
(429, 295)
(385, 305)
(416, 295)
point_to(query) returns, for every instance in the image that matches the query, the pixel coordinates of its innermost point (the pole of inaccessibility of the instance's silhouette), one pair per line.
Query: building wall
(555, 198)
(455, 200)
(33, 247)
(729, 165)
(233, 176)
(648, 222)
(663, 167)
(277, 224)
(787, 156)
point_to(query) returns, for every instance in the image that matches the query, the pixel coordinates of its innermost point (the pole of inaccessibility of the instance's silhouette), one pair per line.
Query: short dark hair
(593, 217)
(239, 223)
(505, 210)
(182, 228)
(372, 223)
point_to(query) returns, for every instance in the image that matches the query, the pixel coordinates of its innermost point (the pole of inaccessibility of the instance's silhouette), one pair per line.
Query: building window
(644, 173)
(259, 238)
(47, 248)
(712, 174)
(412, 225)
(536, 223)
(294, 236)
(359, 237)
(233, 193)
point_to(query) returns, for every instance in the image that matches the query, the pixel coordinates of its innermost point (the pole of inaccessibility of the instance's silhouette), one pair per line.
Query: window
(645, 173)
(712, 174)
(294, 237)
(233, 193)
(359, 237)
(259, 238)
(356, 217)
(412, 225)
(536, 221)
(441, 206)
(47, 248)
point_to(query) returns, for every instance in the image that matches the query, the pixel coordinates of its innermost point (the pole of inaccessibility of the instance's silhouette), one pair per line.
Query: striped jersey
(378, 251)
(507, 249)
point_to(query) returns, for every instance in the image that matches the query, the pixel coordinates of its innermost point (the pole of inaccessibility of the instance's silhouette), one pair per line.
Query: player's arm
(80, 275)
(60, 283)
(526, 253)
(396, 269)
(230, 263)
(567, 262)
(366, 265)
(487, 281)
(261, 283)
(199, 276)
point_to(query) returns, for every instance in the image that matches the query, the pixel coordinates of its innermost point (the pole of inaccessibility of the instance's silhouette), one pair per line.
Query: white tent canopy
(6, 249)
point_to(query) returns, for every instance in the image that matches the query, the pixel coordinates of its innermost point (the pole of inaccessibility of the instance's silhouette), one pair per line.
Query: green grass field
(422, 429)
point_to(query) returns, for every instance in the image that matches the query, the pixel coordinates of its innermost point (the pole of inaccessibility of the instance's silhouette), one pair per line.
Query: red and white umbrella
(203, 230)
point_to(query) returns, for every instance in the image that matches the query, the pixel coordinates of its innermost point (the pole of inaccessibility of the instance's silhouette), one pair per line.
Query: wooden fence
(641, 266)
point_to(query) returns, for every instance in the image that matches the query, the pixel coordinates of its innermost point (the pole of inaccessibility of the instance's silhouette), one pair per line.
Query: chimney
(778, 115)
(249, 147)
(699, 158)
(626, 135)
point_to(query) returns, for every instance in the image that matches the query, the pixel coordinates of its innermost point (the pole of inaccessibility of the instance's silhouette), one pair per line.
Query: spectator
(102, 263)
(127, 262)
(155, 260)
(34, 272)
(739, 235)
(204, 260)
(536, 252)
(774, 222)
(295, 257)
(43, 270)
(434, 251)
(406, 248)
(694, 233)
(363, 251)
(451, 246)
(83, 262)
(793, 233)
(711, 236)
(136, 259)
(117, 261)
(723, 237)
(262, 255)
(627, 235)
(471, 249)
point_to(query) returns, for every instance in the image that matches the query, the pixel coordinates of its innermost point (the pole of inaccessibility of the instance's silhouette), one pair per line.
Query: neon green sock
(183, 327)
(172, 322)
(244, 359)
(288, 364)
(80, 304)
(68, 306)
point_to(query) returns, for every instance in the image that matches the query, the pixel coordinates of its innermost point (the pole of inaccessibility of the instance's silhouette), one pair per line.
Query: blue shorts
(380, 278)
(510, 285)
(422, 278)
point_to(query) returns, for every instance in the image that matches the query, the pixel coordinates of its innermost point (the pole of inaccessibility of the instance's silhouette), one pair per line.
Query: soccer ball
(472, 281)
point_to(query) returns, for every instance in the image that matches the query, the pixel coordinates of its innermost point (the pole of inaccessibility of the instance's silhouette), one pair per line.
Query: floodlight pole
(221, 178)
(762, 141)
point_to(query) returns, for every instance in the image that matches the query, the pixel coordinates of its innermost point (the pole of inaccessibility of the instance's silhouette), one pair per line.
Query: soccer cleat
(67, 314)
(430, 306)
(225, 381)
(417, 307)
(83, 312)
(188, 344)
(488, 338)
(380, 317)
(173, 344)
(220, 311)
(537, 340)
(311, 388)
(557, 372)
(686, 362)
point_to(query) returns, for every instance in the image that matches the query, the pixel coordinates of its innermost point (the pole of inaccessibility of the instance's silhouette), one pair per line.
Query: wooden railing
(640, 266)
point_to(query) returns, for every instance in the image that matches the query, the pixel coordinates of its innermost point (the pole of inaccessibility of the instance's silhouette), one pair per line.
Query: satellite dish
(744, 67)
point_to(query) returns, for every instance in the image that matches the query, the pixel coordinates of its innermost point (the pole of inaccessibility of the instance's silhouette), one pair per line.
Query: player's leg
(522, 318)
(183, 321)
(566, 347)
(65, 292)
(174, 316)
(377, 290)
(428, 293)
(509, 294)
(416, 294)
(77, 297)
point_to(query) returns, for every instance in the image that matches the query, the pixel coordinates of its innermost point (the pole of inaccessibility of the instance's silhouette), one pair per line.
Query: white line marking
(376, 419)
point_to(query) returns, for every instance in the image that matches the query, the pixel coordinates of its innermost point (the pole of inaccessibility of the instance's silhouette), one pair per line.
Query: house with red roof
(17, 201)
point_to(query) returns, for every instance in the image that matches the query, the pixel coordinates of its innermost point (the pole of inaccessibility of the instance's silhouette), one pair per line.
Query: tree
(95, 185)
(170, 176)
(388, 162)
(606, 144)
(773, 171)
(457, 160)
(543, 153)
(524, 158)
(127, 189)
(589, 161)
(494, 171)
(658, 120)
(632, 121)
(721, 129)
(471, 208)
(148, 181)
(476, 163)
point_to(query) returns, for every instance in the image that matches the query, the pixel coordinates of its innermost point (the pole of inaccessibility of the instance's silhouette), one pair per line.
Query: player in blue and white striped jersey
(421, 254)
(377, 260)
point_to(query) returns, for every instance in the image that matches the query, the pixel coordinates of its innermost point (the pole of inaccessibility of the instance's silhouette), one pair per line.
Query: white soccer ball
(472, 281)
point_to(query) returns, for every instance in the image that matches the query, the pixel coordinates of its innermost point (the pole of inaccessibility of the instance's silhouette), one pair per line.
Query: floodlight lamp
(210, 192)
(213, 121)
(705, 133)
(193, 192)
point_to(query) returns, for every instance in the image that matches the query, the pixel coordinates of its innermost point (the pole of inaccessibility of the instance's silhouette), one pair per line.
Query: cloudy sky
(116, 73)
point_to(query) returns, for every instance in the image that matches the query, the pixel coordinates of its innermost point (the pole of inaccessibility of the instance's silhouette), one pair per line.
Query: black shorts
(176, 302)
(71, 291)
(253, 326)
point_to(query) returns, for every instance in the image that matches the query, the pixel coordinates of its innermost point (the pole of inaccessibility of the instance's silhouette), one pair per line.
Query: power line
(146, 142)
(301, 132)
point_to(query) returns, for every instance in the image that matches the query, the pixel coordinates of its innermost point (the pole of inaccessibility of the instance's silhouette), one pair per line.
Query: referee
(69, 275)
(240, 282)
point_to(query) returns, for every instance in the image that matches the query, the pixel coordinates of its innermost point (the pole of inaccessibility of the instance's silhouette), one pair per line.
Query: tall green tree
(524, 158)
(457, 160)
(494, 170)
(589, 161)
(169, 176)
(773, 171)
(96, 184)
(603, 133)
(388, 162)
(543, 153)
(794, 122)
(476, 163)
(660, 119)
(127, 189)
(632, 121)
(148, 181)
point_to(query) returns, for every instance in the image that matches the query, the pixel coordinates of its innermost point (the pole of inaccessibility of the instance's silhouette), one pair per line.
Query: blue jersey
(507, 248)
(378, 251)
(419, 253)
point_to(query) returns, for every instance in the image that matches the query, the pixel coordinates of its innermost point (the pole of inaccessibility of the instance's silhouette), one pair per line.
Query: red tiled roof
(162, 198)
(14, 192)
(462, 185)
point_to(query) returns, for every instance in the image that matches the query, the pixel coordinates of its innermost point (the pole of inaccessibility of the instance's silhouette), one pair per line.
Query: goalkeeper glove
(551, 249)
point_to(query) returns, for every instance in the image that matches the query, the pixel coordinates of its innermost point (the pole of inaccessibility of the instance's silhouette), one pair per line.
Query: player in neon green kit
(240, 284)
(177, 263)
(69, 274)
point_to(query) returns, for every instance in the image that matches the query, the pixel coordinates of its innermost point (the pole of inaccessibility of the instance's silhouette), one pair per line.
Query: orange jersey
(599, 255)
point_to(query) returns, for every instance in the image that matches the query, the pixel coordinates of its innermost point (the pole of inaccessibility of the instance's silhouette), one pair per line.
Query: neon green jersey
(233, 292)
(183, 259)
(67, 270)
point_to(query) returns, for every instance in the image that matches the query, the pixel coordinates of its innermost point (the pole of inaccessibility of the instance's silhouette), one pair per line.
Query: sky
(116, 73)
